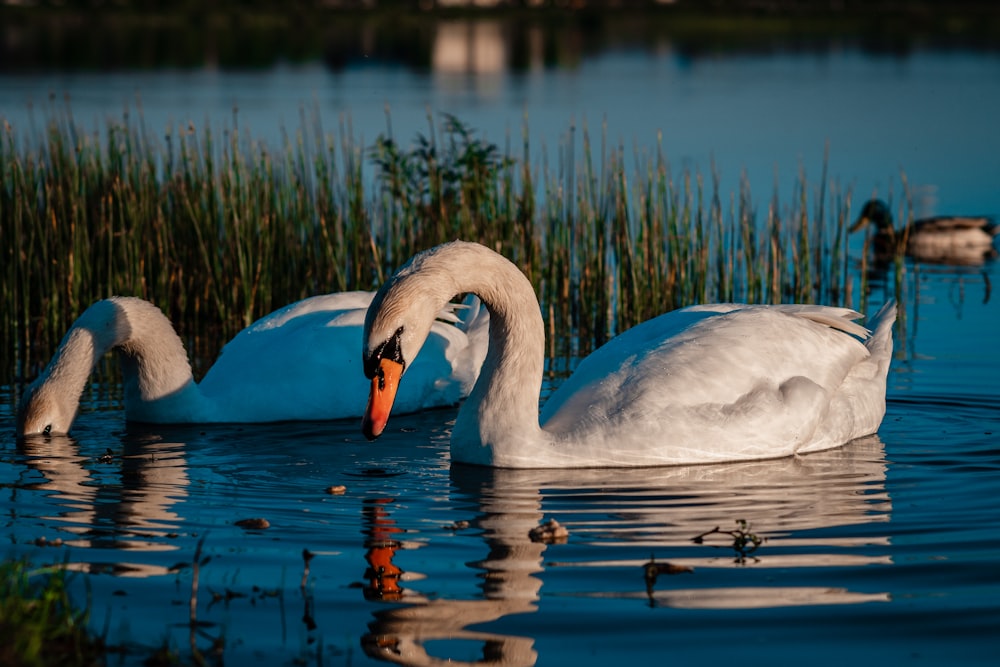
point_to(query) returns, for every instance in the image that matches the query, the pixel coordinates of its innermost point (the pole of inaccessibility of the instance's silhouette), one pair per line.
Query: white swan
(711, 383)
(298, 363)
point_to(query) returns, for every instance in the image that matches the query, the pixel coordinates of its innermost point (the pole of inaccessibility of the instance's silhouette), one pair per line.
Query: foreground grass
(39, 625)
(219, 229)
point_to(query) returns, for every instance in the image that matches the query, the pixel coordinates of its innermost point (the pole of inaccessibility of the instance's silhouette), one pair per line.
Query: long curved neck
(154, 363)
(156, 372)
(500, 416)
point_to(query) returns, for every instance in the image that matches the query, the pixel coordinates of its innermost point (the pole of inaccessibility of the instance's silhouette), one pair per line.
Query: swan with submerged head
(710, 383)
(298, 363)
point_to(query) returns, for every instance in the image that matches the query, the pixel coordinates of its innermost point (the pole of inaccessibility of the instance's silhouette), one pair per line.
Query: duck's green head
(876, 212)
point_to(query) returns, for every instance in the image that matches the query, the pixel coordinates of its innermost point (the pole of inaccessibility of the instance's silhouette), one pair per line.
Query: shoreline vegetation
(218, 228)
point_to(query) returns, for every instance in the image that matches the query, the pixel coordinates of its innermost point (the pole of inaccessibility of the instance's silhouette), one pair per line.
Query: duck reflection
(132, 509)
(948, 291)
(796, 504)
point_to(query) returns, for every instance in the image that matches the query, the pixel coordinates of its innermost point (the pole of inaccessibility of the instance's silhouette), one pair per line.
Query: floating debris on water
(254, 524)
(744, 543)
(336, 490)
(224, 597)
(549, 532)
(307, 557)
(652, 570)
(44, 542)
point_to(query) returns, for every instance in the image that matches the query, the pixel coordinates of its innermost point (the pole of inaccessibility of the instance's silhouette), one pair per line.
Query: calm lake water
(928, 115)
(881, 552)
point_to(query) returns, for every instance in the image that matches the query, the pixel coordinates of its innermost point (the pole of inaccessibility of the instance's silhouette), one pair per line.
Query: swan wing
(700, 343)
(448, 365)
(718, 382)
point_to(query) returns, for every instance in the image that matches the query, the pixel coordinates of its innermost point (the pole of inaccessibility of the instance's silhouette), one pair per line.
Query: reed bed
(219, 228)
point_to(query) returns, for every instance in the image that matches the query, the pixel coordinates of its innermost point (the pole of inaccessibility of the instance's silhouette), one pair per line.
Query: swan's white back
(720, 383)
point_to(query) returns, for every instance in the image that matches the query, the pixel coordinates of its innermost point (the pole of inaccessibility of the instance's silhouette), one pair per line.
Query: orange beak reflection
(380, 398)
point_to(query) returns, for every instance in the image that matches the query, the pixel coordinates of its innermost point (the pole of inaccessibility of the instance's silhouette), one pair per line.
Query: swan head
(50, 404)
(398, 322)
(876, 212)
(41, 412)
(133, 326)
(384, 366)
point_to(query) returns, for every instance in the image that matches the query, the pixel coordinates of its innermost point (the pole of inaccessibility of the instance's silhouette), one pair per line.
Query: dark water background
(881, 552)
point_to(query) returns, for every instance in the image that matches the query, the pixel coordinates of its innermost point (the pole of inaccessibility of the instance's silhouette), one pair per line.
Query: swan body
(965, 240)
(709, 383)
(298, 363)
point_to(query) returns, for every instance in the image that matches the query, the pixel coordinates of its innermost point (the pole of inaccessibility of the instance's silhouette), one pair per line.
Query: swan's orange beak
(383, 393)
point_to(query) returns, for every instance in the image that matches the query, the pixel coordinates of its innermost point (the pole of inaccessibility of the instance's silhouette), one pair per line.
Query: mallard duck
(945, 239)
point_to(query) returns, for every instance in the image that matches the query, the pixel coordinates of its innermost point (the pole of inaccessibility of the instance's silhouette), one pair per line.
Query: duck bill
(861, 222)
(380, 398)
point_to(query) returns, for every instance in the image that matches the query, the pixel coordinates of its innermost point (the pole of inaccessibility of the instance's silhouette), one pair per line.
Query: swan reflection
(382, 575)
(793, 503)
(400, 634)
(132, 511)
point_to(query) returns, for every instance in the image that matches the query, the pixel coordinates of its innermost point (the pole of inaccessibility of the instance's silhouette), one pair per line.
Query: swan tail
(841, 319)
(470, 314)
(475, 322)
(880, 343)
(466, 315)
(470, 340)
(857, 407)
(448, 313)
